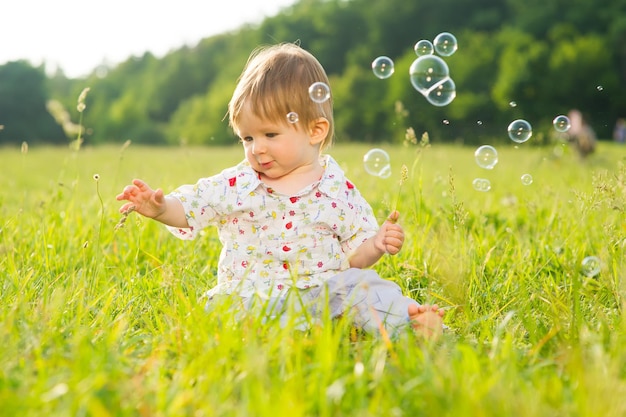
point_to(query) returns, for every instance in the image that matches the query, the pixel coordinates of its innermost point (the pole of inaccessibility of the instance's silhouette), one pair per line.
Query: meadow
(104, 317)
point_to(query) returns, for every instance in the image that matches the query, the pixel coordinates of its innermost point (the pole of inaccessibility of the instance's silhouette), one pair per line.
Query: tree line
(528, 59)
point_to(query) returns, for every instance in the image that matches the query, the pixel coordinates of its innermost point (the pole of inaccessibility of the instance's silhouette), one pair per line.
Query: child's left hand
(390, 236)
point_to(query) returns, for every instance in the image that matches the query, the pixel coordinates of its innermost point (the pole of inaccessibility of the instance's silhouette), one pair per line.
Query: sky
(79, 35)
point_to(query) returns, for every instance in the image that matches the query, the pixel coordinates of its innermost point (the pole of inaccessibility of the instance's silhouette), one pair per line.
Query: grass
(99, 321)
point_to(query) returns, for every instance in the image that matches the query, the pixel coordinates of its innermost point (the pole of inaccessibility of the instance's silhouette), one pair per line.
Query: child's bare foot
(427, 320)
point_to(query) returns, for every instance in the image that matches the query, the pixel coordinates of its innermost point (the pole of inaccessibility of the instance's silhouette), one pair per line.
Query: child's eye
(247, 139)
(271, 135)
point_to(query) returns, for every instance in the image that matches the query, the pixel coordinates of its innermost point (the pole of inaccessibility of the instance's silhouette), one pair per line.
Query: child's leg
(378, 304)
(295, 308)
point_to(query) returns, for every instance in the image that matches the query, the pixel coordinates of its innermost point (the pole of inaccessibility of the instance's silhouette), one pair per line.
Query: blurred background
(530, 59)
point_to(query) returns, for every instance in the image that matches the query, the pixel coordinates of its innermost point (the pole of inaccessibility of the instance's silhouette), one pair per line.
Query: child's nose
(258, 147)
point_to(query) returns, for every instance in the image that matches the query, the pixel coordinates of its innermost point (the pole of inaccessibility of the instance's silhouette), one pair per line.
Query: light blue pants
(370, 301)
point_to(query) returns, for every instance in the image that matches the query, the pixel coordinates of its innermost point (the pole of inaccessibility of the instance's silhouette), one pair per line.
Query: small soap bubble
(319, 92)
(479, 122)
(520, 130)
(481, 184)
(486, 156)
(382, 67)
(527, 179)
(446, 122)
(428, 71)
(513, 104)
(445, 44)
(423, 47)
(377, 163)
(558, 151)
(590, 266)
(442, 94)
(561, 123)
(292, 117)
(599, 88)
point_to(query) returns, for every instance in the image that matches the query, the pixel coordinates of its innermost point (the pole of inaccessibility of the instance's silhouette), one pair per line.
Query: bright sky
(79, 35)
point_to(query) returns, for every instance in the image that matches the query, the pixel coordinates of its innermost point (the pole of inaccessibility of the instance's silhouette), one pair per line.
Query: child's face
(276, 150)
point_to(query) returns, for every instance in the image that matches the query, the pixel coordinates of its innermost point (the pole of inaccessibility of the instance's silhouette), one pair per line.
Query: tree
(203, 119)
(536, 53)
(23, 113)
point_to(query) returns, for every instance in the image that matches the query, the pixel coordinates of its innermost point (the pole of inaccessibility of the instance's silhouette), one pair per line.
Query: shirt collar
(332, 178)
(247, 179)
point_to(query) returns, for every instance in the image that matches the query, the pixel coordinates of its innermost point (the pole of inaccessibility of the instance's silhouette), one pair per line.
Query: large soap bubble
(486, 156)
(427, 71)
(520, 130)
(429, 74)
(377, 162)
(383, 67)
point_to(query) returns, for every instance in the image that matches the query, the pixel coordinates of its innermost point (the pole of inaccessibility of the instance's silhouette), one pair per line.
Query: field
(102, 320)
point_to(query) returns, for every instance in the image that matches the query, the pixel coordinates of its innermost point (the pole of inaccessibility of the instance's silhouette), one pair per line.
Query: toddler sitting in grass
(297, 235)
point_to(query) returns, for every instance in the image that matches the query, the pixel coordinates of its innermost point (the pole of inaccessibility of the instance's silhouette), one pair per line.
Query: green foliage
(23, 114)
(547, 57)
(354, 121)
(522, 54)
(204, 119)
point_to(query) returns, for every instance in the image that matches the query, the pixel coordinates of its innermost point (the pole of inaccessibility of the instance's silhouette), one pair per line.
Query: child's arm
(153, 204)
(388, 239)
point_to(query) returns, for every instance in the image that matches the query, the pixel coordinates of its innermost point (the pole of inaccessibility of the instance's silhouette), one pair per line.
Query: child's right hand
(142, 199)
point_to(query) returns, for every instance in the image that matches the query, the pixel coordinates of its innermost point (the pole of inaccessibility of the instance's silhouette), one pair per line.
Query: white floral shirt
(273, 241)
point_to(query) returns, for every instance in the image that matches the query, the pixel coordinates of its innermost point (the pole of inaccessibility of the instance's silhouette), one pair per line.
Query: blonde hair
(275, 82)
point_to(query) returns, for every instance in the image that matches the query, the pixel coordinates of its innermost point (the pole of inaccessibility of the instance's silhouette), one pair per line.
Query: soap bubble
(423, 47)
(561, 123)
(428, 71)
(382, 67)
(513, 104)
(445, 44)
(442, 94)
(377, 162)
(527, 179)
(520, 130)
(591, 266)
(481, 184)
(292, 117)
(486, 156)
(319, 92)
(429, 76)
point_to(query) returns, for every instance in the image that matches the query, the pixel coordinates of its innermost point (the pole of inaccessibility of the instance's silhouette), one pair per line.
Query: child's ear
(319, 130)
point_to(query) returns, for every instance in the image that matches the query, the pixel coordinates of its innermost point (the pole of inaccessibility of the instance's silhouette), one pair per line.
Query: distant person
(581, 134)
(619, 132)
(295, 231)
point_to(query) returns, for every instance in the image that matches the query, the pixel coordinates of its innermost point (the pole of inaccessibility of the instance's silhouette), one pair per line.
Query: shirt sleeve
(199, 201)
(363, 223)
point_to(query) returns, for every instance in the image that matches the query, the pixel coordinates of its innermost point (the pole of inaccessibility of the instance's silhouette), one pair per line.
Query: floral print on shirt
(273, 241)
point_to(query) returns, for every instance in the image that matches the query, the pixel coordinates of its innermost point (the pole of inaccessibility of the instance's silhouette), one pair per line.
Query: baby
(292, 226)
